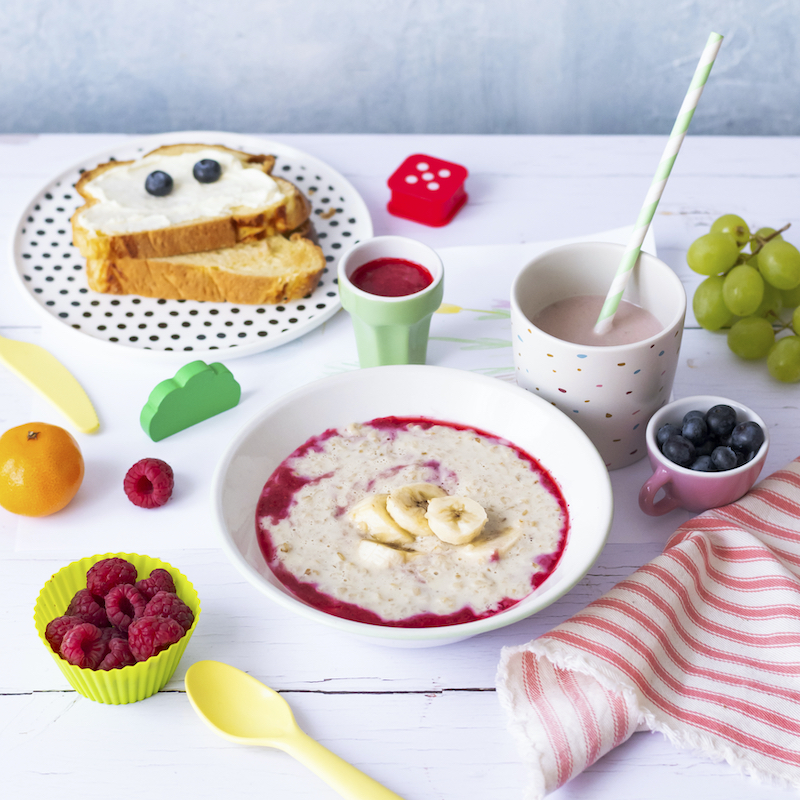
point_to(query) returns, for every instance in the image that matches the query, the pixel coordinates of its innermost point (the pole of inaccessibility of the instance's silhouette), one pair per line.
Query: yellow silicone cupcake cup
(116, 686)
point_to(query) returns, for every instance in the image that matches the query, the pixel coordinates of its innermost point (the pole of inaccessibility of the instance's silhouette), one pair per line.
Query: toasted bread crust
(292, 268)
(203, 234)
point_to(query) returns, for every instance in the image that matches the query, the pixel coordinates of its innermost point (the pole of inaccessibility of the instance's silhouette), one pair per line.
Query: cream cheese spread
(312, 545)
(124, 206)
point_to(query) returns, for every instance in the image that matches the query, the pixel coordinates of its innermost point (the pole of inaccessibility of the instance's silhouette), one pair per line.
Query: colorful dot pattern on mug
(633, 385)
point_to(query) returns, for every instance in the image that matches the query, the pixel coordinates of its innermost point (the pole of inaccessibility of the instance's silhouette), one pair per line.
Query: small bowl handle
(660, 478)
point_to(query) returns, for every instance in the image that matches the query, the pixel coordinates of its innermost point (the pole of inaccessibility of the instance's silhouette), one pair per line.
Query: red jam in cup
(391, 277)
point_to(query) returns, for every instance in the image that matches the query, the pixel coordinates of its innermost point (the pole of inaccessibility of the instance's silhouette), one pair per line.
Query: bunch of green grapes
(752, 283)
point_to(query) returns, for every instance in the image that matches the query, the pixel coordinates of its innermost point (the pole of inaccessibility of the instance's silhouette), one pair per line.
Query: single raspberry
(124, 604)
(57, 628)
(119, 655)
(83, 646)
(106, 574)
(149, 483)
(109, 634)
(168, 604)
(159, 581)
(148, 636)
(85, 606)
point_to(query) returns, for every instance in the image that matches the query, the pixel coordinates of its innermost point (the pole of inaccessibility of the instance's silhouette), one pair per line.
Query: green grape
(743, 290)
(772, 302)
(783, 361)
(760, 235)
(734, 226)
(791, 297)
(751, 338)
(712, 254)
(796, 321)
(779, 263)
(709, 308)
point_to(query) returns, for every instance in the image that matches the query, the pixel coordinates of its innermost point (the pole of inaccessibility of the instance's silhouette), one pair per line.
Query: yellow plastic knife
(45, 373)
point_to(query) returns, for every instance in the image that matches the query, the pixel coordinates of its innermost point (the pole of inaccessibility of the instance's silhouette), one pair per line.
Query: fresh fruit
(727, 444)
(84, 606)
(734, 226)
(57, 628)
(41, 469)
(371, 517)
(83, 646)
(380, 556)
(743, 290)
(456, 519)
(709, 306)
(713, 253)
(107, 573)
(124, 604)
(779, 263)
(408, 506)
(721, 420)
(207, 170)
(158, 183)
(168, 604)
(761, 236)
(747, 437)
(119, 655)
(159, 581)
(751, 337)
(761, 287)
(104, 633)
(783, 360)
(149, 483)
(148, 636)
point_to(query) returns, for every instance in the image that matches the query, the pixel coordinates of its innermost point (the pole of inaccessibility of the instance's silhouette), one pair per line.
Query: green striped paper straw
(631, 254)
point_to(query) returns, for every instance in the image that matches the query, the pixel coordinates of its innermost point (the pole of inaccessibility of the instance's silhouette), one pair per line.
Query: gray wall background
(399, 66)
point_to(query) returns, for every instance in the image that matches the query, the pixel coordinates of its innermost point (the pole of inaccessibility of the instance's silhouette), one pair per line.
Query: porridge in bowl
(411, 522)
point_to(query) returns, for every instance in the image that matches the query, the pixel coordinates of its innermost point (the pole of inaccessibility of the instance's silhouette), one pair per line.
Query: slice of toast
(100, 237)
(276, 269)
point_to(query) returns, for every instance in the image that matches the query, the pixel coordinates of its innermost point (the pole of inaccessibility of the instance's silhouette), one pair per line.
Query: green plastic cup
(391, 330)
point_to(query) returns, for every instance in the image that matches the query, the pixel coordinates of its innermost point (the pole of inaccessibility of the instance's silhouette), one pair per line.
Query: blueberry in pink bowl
(706, 452)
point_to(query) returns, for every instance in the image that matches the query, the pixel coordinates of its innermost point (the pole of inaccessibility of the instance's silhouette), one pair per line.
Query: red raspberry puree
(278, 496)
(391, 277)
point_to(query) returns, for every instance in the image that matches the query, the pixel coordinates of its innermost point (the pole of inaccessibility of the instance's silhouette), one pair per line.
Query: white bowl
(450, 395)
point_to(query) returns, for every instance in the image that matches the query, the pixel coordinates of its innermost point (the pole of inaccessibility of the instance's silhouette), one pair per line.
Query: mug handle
(660, 478)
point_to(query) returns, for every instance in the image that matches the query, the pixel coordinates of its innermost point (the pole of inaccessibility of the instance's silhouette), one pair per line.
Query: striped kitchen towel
(701, 644)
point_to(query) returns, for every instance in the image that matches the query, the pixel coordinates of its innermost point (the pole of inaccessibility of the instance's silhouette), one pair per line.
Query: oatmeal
(324, 529)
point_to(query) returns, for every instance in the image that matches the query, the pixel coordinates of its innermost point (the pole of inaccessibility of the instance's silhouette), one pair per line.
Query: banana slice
(379, 556)
(371, 517)
(455, 519)
(408, 505)
(494, 548)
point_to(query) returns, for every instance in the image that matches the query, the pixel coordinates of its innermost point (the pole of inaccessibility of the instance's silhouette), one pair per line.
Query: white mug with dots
(609, 387)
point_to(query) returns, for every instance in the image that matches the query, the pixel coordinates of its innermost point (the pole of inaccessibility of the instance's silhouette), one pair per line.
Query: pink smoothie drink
(609, 387)
(573, 320)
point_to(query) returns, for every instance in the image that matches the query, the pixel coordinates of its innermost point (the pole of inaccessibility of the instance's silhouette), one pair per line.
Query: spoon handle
(349, 782)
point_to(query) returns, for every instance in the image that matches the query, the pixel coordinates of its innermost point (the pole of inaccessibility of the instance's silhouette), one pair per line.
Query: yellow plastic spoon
(44, 372)
(244, 710)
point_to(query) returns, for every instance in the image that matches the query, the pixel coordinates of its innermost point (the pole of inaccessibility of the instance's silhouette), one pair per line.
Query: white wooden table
(424, 722)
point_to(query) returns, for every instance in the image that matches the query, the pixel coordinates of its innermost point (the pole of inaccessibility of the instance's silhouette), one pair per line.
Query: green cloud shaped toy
(198, 391)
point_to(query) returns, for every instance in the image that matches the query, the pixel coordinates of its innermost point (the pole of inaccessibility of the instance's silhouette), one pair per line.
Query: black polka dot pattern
(53, 271)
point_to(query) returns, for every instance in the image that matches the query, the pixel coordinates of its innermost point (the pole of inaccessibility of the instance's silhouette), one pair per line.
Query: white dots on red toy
(427, 190)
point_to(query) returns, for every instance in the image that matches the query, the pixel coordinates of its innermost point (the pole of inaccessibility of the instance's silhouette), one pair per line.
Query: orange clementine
(41, 469)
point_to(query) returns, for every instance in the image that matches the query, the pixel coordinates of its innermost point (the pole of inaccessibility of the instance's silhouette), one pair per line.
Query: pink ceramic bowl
(686, 488)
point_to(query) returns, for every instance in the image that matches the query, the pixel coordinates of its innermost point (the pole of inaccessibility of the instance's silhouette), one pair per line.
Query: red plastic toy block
(427, 190)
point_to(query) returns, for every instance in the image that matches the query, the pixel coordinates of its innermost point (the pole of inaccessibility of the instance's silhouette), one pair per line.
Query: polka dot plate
(53, 273)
